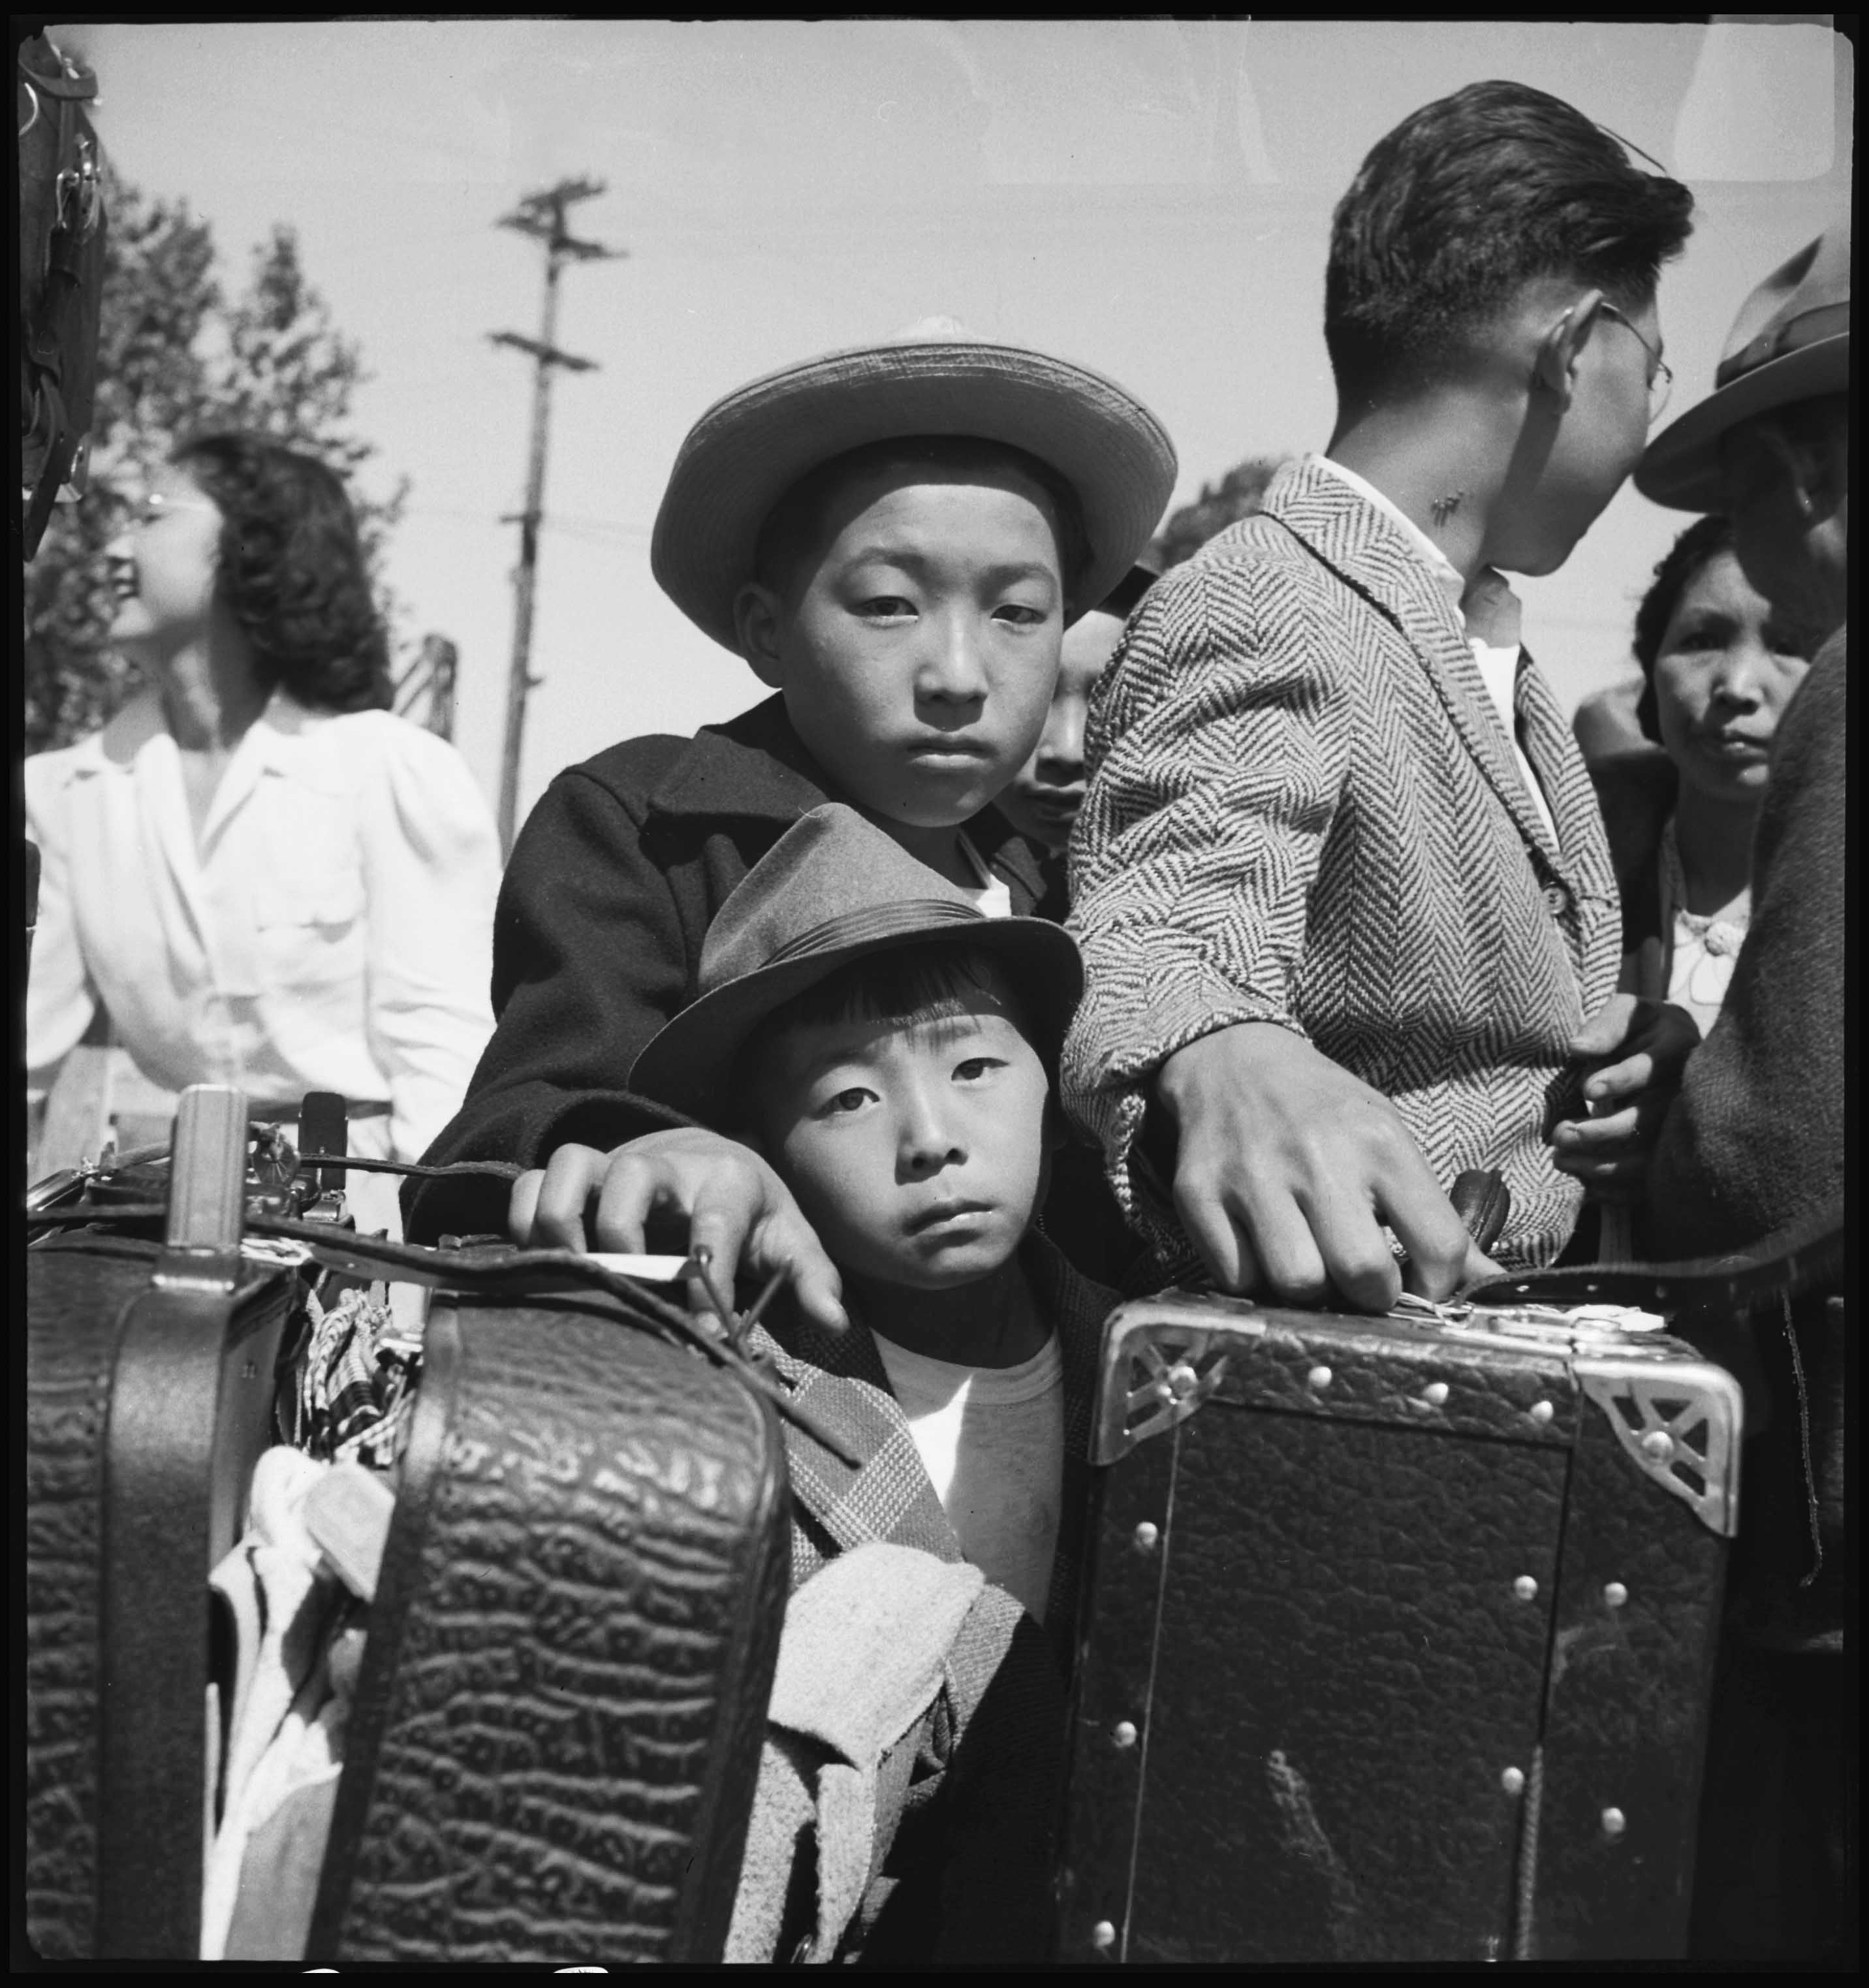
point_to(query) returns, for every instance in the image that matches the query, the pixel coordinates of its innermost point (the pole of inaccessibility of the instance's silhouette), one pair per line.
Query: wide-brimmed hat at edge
(833, 889)
(750, 448)
(1791, 342)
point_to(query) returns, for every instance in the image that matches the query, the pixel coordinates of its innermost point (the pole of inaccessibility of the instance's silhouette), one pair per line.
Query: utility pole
(541, 215)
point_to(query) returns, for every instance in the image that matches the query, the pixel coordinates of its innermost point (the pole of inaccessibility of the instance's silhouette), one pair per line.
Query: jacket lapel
(886, 1495)
(137, 775)
(1367, 551)
(1584, 861)
(756, 767)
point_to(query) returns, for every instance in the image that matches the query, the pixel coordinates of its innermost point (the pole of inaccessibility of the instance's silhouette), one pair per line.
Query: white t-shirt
(991, 1439)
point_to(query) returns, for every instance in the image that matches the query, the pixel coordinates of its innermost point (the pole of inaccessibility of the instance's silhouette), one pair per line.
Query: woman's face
(1723, 675)
(164, 565)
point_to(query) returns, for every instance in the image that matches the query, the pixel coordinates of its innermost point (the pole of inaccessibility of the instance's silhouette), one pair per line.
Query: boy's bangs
(907, 986)
(795, 523)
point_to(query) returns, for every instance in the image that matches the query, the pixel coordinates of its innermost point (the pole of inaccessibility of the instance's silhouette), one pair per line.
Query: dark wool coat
(1753, 1147)
(1755, 1142)
(613, 883)
(1636, 792)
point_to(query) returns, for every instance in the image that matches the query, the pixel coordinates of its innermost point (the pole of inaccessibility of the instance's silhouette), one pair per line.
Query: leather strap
(1804, 1256)
(190, 1410)
(67, 85)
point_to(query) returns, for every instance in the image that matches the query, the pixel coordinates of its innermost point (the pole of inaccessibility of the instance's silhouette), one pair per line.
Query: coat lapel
(887, 1494)
(1367, 551)
(1584, 862)
(756, 767)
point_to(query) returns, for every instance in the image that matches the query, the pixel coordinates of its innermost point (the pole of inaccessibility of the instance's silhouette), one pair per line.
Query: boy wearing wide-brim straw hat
(894, 537)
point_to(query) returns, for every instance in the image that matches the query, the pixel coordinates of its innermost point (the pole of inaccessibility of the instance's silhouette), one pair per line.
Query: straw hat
(749, 449)
(832, 889)
(1791, 342)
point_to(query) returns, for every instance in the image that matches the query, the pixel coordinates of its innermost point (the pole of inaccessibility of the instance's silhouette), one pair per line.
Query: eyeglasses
(1661, 380)
(152, 507)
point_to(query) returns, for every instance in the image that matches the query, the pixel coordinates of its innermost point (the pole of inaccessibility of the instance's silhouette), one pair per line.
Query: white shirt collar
(1447, 575)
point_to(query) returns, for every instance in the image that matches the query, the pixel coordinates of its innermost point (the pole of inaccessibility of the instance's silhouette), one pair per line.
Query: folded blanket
(863, 1656)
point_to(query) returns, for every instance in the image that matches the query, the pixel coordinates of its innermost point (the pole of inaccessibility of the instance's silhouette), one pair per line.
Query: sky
(1151, 197)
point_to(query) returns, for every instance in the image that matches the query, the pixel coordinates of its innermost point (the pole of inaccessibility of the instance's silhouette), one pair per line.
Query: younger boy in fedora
(889, 1048)
(894, 538)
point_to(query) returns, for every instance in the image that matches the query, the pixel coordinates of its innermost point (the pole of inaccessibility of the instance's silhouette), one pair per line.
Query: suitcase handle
(505, 1273)
(1482, 1201)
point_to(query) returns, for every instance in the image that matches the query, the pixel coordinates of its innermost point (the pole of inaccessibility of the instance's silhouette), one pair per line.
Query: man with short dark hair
(1752, 1148)
(1342, 887)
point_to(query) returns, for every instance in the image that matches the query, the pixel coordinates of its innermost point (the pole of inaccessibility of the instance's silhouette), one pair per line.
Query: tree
(1237, 494)
(174, 356)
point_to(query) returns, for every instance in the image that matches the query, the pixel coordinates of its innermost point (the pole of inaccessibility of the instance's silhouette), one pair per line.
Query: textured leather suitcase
(556, 1730)
(150, 1371)
(1398, 1637)
(559, 1719)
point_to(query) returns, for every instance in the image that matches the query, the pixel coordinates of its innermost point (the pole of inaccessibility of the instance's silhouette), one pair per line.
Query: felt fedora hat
(1791, 342)
(832, 889)
(749, 448)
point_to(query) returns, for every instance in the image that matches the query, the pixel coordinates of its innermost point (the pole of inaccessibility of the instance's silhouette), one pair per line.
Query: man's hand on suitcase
(735, 1205)
(1638, 1050)
(1286, 1168)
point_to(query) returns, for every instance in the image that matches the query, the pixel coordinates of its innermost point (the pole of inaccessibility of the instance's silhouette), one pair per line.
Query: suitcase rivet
(1182, 1379)
(1658, 1444)
(1103, 1934)
(1615, 1594)
(1542, 1411)
(1512, 1781)
(1319, 1377)
(1614, 1822)
(1125, 1733)
(1147, 1534)
(1435, 1393)
(1525, 1588)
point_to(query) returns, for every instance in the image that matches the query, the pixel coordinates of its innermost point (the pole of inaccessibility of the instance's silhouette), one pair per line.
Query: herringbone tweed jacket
(1303, 809)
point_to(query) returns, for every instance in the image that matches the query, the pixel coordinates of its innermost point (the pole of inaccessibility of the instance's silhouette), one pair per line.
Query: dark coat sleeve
(1754, 1143)
(591, 954)
(1636, 790)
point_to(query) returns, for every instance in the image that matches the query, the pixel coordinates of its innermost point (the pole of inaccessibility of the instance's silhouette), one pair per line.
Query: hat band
(1823, 321)
(875, 921)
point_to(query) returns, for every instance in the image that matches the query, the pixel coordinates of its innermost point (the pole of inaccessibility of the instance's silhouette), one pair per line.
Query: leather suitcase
(150, 1387)
(559, 1719)
(556, 1730)
(1397, 1637)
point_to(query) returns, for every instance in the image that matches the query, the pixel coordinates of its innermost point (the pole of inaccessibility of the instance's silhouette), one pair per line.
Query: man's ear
(1560, 350)
(756, 620)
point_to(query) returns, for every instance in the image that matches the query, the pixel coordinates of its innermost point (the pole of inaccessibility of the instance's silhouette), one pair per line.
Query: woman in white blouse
(1719, 673)
(263, 877)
